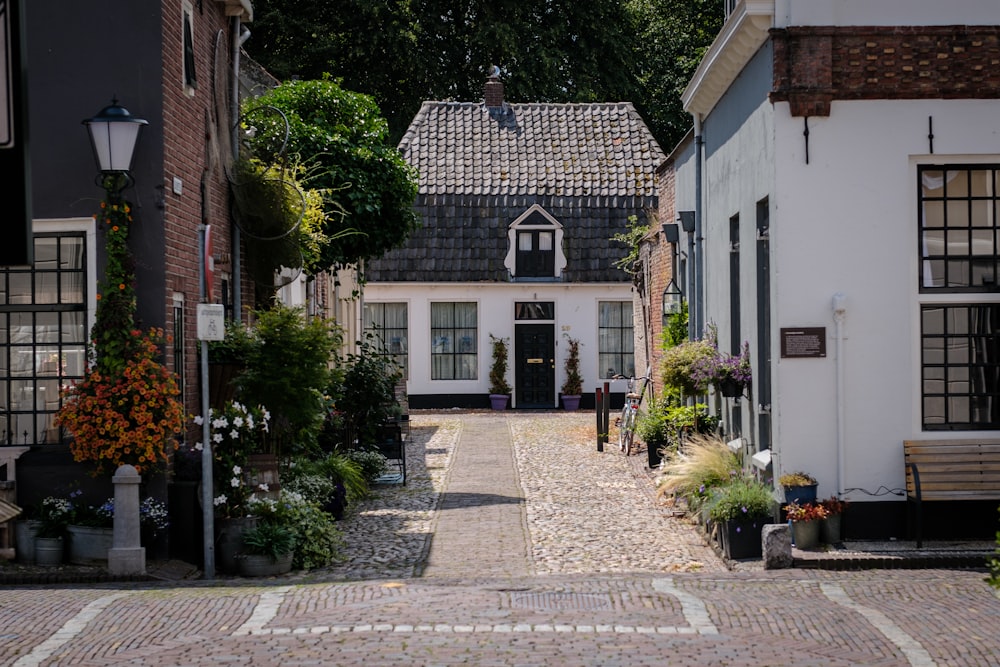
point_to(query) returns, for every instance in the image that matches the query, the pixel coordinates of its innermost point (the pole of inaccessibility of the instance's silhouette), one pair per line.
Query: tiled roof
(577, 150)
(464, 238)
(590, 166)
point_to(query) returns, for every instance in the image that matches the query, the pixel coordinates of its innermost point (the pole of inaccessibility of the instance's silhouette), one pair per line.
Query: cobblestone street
(514, 542)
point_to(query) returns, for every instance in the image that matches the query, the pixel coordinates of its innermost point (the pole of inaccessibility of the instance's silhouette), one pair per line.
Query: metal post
(606, 409)
(207, 492)
(601, 425)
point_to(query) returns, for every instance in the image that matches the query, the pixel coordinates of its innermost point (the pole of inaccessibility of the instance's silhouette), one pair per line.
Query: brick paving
(515, 543)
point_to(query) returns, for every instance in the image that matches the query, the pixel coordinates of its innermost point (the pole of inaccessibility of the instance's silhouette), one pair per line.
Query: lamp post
(113, 135)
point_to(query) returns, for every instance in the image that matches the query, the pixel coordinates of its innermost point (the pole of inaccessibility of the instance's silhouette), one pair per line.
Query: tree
(671, 38)
(404, 52)
(341, 139)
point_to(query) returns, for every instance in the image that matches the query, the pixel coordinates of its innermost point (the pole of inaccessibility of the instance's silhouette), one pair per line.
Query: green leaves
(342, 139)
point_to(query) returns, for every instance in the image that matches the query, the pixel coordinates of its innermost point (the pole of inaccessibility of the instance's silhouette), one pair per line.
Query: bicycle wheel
(625, 429)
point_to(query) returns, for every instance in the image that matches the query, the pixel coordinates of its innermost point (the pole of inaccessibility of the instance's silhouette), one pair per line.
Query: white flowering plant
(236, 431)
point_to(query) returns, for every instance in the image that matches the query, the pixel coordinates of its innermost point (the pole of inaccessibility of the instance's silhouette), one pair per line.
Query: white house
(518, 203)
(846, 155)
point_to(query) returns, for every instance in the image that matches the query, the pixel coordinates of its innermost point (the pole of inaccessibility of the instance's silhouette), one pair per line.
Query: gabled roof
(588, 166)
(569, 150)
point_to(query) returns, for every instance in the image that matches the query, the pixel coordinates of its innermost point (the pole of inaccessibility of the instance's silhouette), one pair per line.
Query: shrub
(678, 365)
(317, 539)
(741, 498)
(372, 464)
(573, 385)
(269, 539)
(498, 371)
(288, 370)
(363, 394)
(704, 462)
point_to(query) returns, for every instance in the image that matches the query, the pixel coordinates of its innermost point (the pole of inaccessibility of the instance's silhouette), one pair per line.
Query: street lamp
(113, 135)
(673, 300)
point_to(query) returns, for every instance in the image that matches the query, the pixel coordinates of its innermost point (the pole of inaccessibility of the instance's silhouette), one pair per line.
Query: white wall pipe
(839, 316)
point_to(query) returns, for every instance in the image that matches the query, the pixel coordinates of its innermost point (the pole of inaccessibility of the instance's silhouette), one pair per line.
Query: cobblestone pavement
(580, 567)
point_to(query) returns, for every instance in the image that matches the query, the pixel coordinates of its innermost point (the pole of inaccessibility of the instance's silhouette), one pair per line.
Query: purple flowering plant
(720, 367)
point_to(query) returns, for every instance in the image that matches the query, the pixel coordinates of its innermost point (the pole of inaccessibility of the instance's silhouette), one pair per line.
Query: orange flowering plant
(127, 408)
(126, 418)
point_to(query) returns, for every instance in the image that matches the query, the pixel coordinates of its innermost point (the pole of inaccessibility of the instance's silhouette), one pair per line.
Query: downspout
(839, 315)
(698, 231)
(240, 35)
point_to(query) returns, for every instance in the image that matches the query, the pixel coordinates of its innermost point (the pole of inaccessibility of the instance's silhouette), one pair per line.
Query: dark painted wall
(80, 55)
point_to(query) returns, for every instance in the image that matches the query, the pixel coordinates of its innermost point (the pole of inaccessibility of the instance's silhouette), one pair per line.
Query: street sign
(211, 321)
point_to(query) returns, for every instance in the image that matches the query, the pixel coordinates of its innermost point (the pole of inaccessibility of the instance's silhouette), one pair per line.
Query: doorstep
(896, 554)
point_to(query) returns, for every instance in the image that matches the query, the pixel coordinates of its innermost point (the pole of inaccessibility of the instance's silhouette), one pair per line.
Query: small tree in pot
(499, 389)
(573, 384)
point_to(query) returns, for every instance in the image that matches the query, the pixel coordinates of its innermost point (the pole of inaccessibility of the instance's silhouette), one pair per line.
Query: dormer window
(535, 250)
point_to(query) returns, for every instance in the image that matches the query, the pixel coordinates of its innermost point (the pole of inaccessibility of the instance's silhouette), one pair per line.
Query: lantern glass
(673, 299)
(113, 136)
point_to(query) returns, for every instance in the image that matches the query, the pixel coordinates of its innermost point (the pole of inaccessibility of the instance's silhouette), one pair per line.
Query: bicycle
(626, 422)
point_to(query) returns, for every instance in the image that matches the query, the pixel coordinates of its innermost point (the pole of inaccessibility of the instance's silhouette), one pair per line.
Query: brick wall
(194, 152)
(815, 65)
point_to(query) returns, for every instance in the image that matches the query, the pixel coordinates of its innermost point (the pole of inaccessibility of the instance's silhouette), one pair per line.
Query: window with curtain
(388, 324)
(454, 332)
(959, 207)
(616, 345)
(43, 337)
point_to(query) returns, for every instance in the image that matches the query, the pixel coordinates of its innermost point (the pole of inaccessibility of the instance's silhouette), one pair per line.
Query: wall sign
(803, 342)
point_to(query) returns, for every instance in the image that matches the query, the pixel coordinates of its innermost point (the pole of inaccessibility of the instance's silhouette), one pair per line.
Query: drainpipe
(839, 316)
(699, 230)
(240, 35)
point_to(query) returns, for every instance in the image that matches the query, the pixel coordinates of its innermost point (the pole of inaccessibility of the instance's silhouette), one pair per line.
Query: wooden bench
(950, 470)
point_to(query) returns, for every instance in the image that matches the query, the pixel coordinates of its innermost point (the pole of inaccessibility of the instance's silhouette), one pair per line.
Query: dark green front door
(535, 369)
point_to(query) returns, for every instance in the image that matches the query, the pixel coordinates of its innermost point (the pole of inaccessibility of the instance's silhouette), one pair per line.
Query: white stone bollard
(776, 539)
(126, 556)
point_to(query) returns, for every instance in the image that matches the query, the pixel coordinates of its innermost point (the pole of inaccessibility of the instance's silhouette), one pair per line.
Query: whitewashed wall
(846, 222)
(576, 312)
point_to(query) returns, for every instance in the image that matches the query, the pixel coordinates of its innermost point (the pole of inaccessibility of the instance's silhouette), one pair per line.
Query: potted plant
(572, 387)
(798, 487)
(830, 527)
(267, 550)
(499, 389)
(741, 507)
(731, 374)
(54, 515)
(805, 520)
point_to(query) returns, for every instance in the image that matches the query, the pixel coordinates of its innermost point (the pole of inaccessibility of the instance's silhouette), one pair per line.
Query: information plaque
(803, 342)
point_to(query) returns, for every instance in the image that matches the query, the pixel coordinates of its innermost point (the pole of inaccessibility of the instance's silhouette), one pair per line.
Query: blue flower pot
(800, 494)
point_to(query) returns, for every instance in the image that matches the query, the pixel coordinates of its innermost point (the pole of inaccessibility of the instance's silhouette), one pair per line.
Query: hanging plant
(127, 407)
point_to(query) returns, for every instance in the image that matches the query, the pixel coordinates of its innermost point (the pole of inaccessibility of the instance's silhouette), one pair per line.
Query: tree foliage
(342, 140)
(403, 52)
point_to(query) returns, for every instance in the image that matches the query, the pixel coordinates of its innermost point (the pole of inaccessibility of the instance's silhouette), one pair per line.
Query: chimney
(493, 93)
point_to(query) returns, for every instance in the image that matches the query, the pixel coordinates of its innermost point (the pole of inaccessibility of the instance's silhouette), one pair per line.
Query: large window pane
(962, 204)
(454, 336)
(43, 337)
(615, 339)
(960, 359)
(388, 324)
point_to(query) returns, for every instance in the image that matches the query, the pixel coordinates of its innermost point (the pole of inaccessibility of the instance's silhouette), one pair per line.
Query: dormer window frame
(522, 226)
